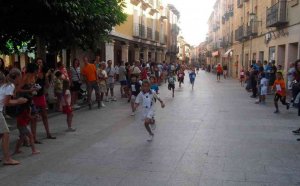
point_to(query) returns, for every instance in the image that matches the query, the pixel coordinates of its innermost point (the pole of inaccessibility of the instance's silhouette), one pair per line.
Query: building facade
(149, 34)
(185, 51)
(255, 31)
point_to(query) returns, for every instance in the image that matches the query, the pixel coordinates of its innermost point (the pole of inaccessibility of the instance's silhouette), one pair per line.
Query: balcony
(149, 33)
(239, 34)
(277, 15)
(135, 2)
(240, 3)
(252, 29)
(146, 4)
(139, 31)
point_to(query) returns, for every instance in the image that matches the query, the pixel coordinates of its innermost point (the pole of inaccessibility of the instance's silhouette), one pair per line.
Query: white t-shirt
(264, 82)
(147, 99)
(5, 90)
(111, 72)
(66, 98)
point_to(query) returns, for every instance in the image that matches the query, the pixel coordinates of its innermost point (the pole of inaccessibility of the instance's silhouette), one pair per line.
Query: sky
(194, 15)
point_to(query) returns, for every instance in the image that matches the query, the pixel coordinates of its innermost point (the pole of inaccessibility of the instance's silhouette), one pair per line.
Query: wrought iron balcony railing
(277, 14)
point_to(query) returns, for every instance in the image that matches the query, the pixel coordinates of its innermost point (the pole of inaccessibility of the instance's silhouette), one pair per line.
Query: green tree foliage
(59, 23)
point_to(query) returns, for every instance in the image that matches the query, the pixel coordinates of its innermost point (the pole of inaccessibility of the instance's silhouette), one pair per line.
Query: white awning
(228, 53)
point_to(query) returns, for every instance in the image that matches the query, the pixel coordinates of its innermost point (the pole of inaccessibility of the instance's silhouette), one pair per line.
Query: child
(66, 104)
(192, 76)
(180, 77)
(58, 88)
(154, 85)
(279, 85)
(23, 120)
(171, 83)
(135, 88)
(146, 98)
(242, 77)
(102, 78)
(263, 88)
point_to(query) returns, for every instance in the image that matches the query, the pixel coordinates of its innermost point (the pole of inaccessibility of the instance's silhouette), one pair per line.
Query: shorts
(264, 91)
(148, 114)
(280, 97)
(110, 85)
(76, 86)
(219, 73)
(171, 86)
(24, 131)
(3, 125)
(93, 85)
(133, 97)
(123, 83)
(40, 101)
(102, 88)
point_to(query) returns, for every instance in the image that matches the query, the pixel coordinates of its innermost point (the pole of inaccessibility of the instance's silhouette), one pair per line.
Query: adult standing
(111, 74)
(39, 100)
(75, 82)
(219, 72)
(136, 69)
(122, 79)
(89, 71)
(225, 71)
(7, 87)
(253, 80)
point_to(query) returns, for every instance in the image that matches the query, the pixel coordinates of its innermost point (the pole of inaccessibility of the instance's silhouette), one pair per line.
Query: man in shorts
(111, 74)
(90, 73)
(122, 79)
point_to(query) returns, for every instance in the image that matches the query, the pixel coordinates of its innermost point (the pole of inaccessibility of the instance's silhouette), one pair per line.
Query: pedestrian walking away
(192, 76)
(146, 100)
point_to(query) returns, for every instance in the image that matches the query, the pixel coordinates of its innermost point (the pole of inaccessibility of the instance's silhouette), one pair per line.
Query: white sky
(194, 15)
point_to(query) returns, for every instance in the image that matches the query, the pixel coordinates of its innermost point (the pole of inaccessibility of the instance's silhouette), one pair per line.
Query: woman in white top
(7, 89)
(75, 82)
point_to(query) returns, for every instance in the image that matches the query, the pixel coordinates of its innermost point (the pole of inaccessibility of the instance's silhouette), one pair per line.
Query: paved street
(214, 135)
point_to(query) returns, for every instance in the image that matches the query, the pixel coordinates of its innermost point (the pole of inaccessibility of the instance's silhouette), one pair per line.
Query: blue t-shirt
(192, 76)
(154, 87)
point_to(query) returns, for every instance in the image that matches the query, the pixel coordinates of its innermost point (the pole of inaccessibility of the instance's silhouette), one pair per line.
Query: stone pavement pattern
(214, 135)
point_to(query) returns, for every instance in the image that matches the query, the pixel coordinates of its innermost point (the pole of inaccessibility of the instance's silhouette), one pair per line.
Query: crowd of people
(28, 93)
(266, 79)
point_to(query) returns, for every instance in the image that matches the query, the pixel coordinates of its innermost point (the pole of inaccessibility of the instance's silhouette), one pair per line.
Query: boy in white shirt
(146, 98)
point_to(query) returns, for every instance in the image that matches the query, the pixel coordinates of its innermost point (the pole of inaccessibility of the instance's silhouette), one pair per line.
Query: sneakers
(113, 99)
(276, 112)
(102, 104)
(150, 138)
(296, 131)
(76, 106)
(132, 114)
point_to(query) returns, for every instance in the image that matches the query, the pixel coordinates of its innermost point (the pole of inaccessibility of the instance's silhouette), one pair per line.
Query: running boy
(146, 98)
(180, 77)
(135, 88)
(263, 88)
(171, 83)
(192, 76)
(279, 86)
(154, 85)
(66, 104)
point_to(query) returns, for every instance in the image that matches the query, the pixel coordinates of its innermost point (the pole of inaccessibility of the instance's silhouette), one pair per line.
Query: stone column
(137, 54)
(125, 49)
(109, 51)
(146, 52)
(163, 55)
(153, 53)
(159, 56)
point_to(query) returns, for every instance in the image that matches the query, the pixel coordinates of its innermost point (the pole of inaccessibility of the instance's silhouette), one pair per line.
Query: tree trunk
(40, 48)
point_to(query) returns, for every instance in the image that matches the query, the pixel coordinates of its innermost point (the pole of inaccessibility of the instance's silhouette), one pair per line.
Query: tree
(57, 24)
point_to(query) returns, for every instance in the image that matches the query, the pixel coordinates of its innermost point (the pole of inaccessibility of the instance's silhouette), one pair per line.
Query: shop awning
(228, 53)
(215, 54)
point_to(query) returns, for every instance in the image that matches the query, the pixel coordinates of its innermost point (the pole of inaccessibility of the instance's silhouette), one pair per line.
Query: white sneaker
(76, 106)
(132, 114)
(113, 99)
(106, 99)
(102, 104)
(150, 138)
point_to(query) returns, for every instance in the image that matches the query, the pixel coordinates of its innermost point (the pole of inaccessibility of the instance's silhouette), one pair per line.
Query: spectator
(90, 73)
(75, 82)
(111, 74)
(122, 79)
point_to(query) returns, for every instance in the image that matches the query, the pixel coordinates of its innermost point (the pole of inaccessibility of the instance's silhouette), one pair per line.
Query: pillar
(159, 56)
(137, 54)
(153, 53)
(146, 52)
(109, 51)
(125, 49)
(163, 55)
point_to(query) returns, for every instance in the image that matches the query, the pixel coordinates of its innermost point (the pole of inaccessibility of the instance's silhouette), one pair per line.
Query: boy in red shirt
(23, 120)
(279, 86)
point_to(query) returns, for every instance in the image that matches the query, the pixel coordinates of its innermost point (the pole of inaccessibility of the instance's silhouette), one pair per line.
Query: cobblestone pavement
(214, 135)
